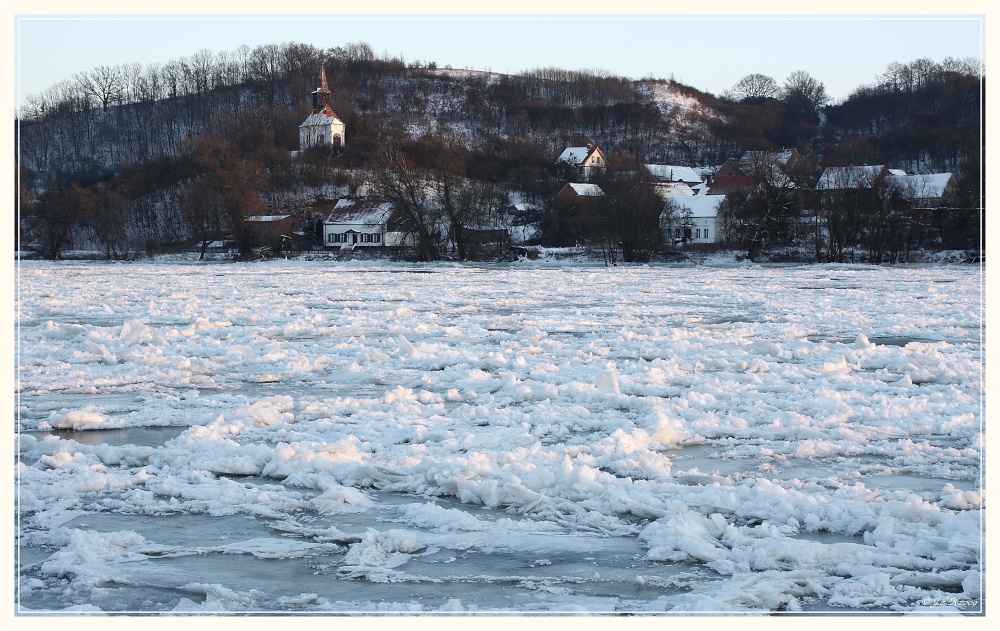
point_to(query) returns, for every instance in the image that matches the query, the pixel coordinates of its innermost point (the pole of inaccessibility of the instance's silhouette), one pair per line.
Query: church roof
(326, 116)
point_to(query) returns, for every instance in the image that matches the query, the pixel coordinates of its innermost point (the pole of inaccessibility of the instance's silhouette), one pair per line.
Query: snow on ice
(376, 437)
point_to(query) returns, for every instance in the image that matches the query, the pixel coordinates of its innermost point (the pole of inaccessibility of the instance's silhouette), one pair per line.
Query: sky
(707, 52)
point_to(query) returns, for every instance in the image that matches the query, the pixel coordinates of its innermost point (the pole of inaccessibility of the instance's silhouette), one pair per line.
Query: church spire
(322, 96)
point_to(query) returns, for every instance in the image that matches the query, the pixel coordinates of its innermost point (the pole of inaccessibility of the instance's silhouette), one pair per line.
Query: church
(323, 128)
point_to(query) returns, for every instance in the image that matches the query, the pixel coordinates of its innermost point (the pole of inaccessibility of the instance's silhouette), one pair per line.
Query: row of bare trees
(803, 92)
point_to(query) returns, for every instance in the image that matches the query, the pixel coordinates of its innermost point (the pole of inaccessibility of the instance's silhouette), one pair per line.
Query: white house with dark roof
(357, 223)
(322, 128)
(692, 219)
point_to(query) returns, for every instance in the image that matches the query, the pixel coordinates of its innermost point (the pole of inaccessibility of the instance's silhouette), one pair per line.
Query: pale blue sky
(709, 52)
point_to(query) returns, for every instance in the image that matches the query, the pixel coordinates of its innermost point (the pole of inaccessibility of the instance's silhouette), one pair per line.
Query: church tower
(323, 128)
(321, 96)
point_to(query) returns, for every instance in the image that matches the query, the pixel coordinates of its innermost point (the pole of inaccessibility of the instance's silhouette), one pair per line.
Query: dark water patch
(139, 436)
(895, 340)
(180, 531)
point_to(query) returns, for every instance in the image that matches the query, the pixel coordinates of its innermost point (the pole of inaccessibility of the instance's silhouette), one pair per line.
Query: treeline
(925, 115)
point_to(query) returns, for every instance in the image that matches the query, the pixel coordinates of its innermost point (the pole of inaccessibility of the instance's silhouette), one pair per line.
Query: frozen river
(310, 437)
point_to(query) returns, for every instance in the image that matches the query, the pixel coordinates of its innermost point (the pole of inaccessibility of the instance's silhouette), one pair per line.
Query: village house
(665, 173)
(731, 184)
(524, 225)
(927, 190)
(742, 175)
(930, 190)
(322, 128)
(576, 194)
(692, 219)
(581, 162)
(837, 182)
(670, 189)
(357, 223)
(786, 159)
(747, 164)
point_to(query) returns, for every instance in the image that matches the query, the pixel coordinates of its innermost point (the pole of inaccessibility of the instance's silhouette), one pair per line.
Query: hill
(124, 156)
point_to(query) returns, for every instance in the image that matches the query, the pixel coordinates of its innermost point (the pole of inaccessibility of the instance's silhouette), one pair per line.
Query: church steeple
(322, 96)
(322, 127)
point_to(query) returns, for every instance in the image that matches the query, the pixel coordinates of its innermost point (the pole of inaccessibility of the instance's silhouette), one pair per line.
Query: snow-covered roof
(837, 178)
(925, 186)
(360, 211)
(268, 217)
(665, 190)
(781, 157)
(704, 206)
(325, 116)
(669, 173)
(575, 155)
(586, 190)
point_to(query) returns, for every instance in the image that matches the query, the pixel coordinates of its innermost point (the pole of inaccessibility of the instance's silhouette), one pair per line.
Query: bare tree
(630, 217)
(225, 194)
(106, 84)
(396, 179)
(804, 93)
(756, 87)
(767, 210)
(109, 220)
(200, 69)
(57, 212)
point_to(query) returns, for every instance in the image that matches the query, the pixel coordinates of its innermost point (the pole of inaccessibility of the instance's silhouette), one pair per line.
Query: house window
(697, 233)
(706, 233)
(377, 238)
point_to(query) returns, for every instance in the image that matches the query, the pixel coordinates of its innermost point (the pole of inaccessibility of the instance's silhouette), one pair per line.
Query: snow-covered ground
(376, 437)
